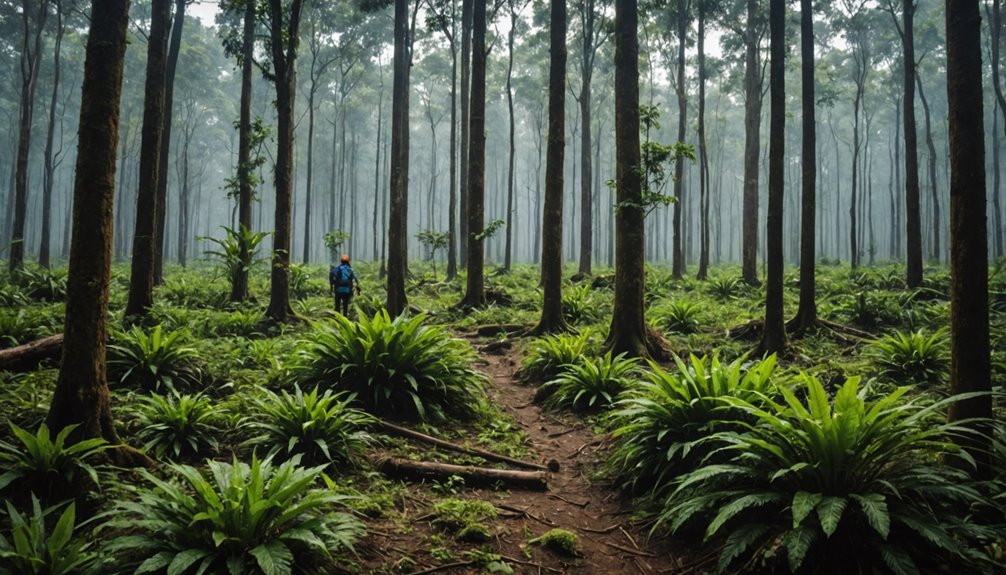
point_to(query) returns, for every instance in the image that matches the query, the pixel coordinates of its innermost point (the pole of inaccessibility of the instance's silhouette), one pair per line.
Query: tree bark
(31, 57)
(678, 254)
(970, 364)
(81, 394)
(996, 40)
(551, 225)
(934, 256)
(806, 315)
(703, 150)
(467, 13)
(511, 166)
(29, 356)
(774, 334)
(239, 283)
(284, 59)
(424, 470)
(174, 48)
(475, 289)
(913, 215)
(141, 278)
(589, 45)
(51, 154)
(752, 147)
(397, 226)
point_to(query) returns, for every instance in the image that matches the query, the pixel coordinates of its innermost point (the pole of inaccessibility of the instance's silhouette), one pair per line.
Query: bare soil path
(576, 500)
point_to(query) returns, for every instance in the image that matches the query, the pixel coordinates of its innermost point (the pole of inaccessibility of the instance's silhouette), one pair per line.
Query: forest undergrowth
(273, 442)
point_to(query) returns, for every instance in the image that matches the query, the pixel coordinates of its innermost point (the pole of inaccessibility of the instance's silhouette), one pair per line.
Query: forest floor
(577, 500)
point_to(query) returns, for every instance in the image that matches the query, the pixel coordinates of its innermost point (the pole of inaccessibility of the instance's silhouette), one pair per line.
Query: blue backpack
(341, 276)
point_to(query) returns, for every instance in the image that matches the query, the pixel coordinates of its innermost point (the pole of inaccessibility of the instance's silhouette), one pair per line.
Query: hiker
(340, 283)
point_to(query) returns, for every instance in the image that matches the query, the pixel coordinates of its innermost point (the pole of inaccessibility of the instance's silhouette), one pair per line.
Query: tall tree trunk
(703, 150)
(452, 206)
(588, 47)
(51, 155)
(896, 190)
(184, 194)
(997, 218)
(464, 234)
(678, 255)
(628, 332)
(141, 278)
(513, 139)
(475, 290)
(752, 147)
(551, 252)
(377, 163)
(806, 315)
(285, 42)
(310, 172)
(239, 283)
(174, 48)
(31, 57)
(774, 333)
(970, 365)
(861, 73)
(996, 41)
(398, 224)
(934, 256)
(81, 394)
(913, 215)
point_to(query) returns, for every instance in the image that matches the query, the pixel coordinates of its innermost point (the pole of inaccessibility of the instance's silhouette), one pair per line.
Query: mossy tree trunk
(81, 395)
(398, 219)
(239, 283)
(806, 315)
(753, 80)
(475, 289)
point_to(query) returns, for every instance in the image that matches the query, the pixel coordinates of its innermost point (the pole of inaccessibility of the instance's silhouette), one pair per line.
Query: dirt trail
(575, 501)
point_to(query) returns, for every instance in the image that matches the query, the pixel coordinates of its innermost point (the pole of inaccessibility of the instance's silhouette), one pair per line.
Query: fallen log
(405, 469)
(393, 429)
(28, 356)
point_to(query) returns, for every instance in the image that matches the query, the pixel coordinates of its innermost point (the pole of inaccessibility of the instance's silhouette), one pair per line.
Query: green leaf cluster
(177, 425)
(592, 383)
(912, 357)
(154, 361)
(34, 550)
(51, 467)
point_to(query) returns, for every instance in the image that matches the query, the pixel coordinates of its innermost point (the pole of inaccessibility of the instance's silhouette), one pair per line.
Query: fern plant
(912, 357)
(177, 425)
(396, 367)
(662, 426)
(239, 519)
(320, 427)
(34, 550)
(156, 361)
(229, 250)
(853, 484)
(579, 305)
(42, 284)
(591, 384)
(678, 316)
(50, 467)
(547, 357)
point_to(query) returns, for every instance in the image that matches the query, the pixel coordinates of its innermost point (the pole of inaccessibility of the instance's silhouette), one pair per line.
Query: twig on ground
(629, 537)
(604, 531)
(525, 513)
(628, 549)
(561, 498)
(568, 431)
(529, 564)
(444, 567)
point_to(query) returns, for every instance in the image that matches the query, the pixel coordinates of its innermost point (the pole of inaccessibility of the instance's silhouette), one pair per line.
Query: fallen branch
(525, 513)
(552, 466)
(534, 480)
(28, 356)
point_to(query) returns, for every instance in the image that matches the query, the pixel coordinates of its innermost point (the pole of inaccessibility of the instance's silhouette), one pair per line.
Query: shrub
(50, 467)
(153, 361)
(547, 356)
(15, 328)
(189, 291)
(579, 305)
(12, 295)
(400, 368)
(32, 550)
(912, 357)
(592, 383)
(42, 284)
(725, 288)
(229, 250)
(321, 428)
(177, 425)
(247, 519)
(663, 425)
(851, 483)
(678, 316)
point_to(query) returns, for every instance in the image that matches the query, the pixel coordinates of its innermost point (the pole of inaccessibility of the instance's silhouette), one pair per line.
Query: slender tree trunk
(996, 41)
(551, 253)
(377, 164)
(895, 191)
(184, 194)
(853, 198)
(81, 394)
(310, 173)
(239, 283)
(141, 278)
(174, 48)
(703, 150)
(452, 207)
(806, 315)
(678, 255)
(997, 220)
(913, 216)
(774, 333)
(934, 256)
(464, 234)
(51, 154)
(285, 41)
(970, 365)
(513, 139)
(398, 224)
(31, 57)
(628, 332)
(588, 51)
(475, 290)
(752, 147)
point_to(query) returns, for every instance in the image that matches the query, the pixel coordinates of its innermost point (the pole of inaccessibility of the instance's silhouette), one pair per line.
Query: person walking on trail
(341, 282)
